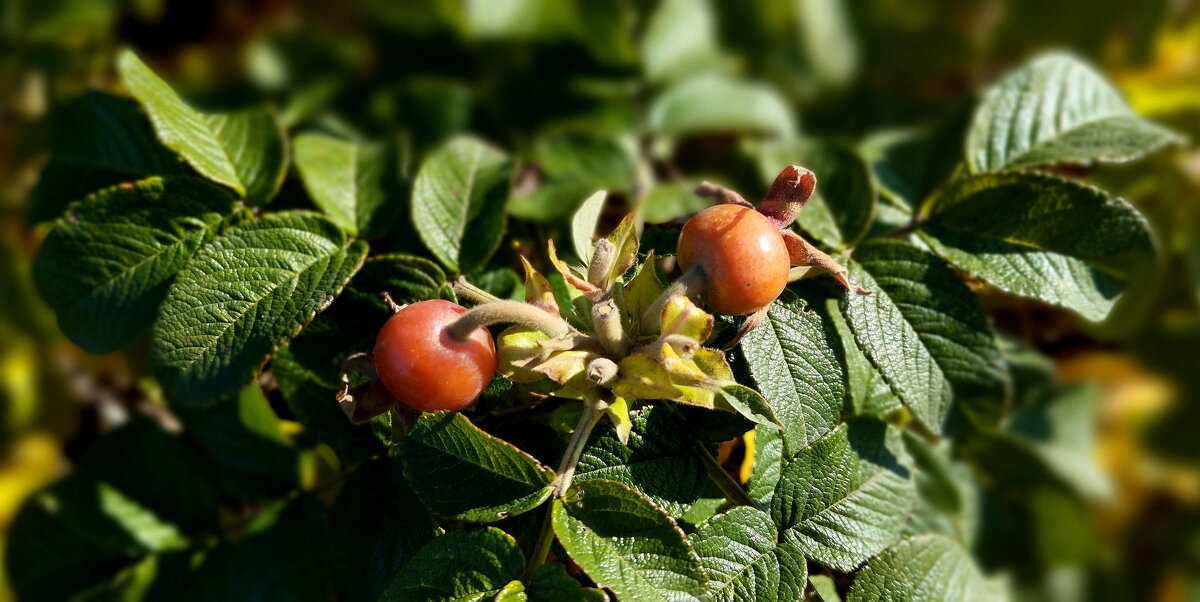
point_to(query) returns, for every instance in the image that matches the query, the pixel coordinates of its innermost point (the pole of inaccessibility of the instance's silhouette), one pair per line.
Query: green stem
(593, 411)
(507, 312)
(732, 489)
(469, 291)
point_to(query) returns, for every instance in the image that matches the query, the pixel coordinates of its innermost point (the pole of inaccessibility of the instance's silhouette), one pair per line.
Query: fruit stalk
(507, 312)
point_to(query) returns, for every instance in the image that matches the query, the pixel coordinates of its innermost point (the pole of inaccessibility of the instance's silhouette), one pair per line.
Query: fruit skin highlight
(424, 367)
(744, 259)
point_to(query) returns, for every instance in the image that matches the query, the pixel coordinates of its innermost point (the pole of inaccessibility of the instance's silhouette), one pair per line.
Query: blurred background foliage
(644, 98)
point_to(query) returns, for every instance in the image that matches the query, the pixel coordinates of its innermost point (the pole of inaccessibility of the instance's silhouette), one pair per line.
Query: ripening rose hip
(744, 258)
(426, 369)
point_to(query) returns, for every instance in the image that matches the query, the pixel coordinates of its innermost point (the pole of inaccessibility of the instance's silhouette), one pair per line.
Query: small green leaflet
(245, 150)
(461, 472)
(1057, 109)
(925, 567)
(923, 329)
(745, 560)
(796, 367)
(242, 296)
(583, 225)
(1041, 236)
(351, 182)
(845, 497)
(627, 544)
(106, 265)
(460, 566)
(458, 202)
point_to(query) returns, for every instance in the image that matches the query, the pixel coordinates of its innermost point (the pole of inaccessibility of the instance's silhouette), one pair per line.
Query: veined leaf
(626, 544)
(796, 367)
(925, 567)
(106, 265)
(1057, 109)
(460, 566)
(551, 583)
(659, 461)
(351, 182)
(458, 202)
(718, 104)
(746, 562)
(244, 150)
(845, 497)
(923, 330)
(242, 296)
(461, 472)
(1040, 236)
(769, 457)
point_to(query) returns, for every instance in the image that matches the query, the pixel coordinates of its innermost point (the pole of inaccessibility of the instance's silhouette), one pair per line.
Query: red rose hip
(744, 258)
(424, 367)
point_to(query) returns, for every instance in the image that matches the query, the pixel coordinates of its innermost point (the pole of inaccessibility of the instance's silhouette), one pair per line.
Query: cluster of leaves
(895, 417)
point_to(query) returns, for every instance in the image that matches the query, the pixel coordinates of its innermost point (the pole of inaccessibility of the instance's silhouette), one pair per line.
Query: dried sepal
(788, 195)
(581, 284)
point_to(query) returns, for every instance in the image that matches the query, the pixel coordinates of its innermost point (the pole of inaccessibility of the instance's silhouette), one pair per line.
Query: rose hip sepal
(426, 368)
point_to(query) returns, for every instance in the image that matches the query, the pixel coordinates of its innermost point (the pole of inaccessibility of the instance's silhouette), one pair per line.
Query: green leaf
(769, 455)
(243, 440)
(710, 104)
(658, 462)
(1040, 236)
(946, 494)
(583, 225)
(926, 567)
(841, 208)
(464, 473)
(96, 140)
(106, 265)
(745, 560)
(1057, 109)
(293, 536)
(626, 544)
(825, 587)
(869, 394)
(458, 202)
(244, 150)
(551, 583)
(351, 182)
(923, 329)
(680, 39)
(79, 533)
(827, 38)
(798, 370)
(667, 201)
(845, 497)
(242, 296)
(749, 404)
(909, 164)
(569, 168)
(460, 566)
(377, 524)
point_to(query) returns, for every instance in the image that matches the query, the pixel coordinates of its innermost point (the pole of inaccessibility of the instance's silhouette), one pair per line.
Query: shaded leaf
(460, 566)
(659, 460)
(551, 583)
(462, 472)
(106, 265)
(1043, 237)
